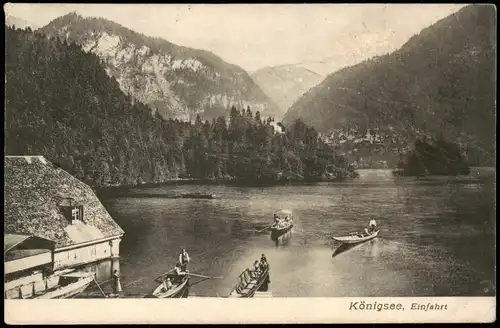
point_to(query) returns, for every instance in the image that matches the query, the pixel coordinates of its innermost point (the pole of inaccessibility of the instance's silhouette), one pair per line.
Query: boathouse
(54, 222)
(27, 259)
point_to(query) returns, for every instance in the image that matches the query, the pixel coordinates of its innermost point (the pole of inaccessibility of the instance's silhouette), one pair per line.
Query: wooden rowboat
(70, 285)
(178, 290)
(353, 238)
(250, 281)
(197, 195)
(279, 230)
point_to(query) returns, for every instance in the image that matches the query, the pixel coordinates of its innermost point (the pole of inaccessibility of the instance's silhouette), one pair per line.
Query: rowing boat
(69, 286)
(178, 290)
(249, 282)
(197, 195)
(354, 238)
(277, 229)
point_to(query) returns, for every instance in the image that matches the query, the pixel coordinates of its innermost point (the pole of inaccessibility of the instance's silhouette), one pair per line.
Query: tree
(80, 119)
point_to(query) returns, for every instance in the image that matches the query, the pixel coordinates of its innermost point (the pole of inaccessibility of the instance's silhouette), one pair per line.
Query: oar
(269, 226)
(165, 273)
(130, 283)
(203, 276)
(103, 293)
(198, 282)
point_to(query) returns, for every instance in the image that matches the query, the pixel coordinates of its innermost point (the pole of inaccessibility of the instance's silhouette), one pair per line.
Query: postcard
(249, 163)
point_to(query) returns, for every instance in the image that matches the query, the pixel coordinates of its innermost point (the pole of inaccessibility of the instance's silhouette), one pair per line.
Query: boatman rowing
(184, 259)
(372, 224)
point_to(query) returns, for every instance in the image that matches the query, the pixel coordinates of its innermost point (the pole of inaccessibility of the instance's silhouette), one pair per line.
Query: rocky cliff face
(441, 82)
(376, 147)
(285, 84)
(177, 81)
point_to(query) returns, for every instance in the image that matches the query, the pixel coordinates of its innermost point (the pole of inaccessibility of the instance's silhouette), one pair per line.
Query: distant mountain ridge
(17, 22)
(177, 81)
(441, 81)
(285, 83)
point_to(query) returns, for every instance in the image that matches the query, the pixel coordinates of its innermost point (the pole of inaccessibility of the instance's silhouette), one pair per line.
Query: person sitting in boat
(184, 259)
(277, 220)
(256, 270)
(366, 232)
(263, 263)
(167, 284)
(256, 266)
(372, 224)
(178, 272)
(284, 221)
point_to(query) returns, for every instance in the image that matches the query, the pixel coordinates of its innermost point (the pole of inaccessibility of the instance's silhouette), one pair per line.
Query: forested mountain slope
(177, 81)
(441, 81)
(61, 103)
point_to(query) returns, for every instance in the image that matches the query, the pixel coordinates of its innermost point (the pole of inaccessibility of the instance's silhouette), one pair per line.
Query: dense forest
(61, 103)
(434, 157)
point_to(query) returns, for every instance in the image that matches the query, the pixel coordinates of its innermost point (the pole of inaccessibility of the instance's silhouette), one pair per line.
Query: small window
(75, 213)
(71, 209)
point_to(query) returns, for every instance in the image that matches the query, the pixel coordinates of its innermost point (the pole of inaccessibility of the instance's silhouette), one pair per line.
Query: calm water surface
(437, 236)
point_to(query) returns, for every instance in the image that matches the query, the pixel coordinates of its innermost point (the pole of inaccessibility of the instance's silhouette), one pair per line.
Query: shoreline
(112, 189)
(208, 182)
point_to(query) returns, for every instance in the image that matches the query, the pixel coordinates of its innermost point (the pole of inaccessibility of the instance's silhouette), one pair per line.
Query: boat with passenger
(250, 281)
(283, 222)
(172, 284)
(355, 237)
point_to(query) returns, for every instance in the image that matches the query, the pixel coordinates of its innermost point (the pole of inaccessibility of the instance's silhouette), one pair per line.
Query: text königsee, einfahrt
(377, 306)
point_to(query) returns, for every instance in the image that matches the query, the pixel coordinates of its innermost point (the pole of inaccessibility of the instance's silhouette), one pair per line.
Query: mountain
(285, 84)
(177, 81)
(441, 81)
(61, 103)
(17, 22)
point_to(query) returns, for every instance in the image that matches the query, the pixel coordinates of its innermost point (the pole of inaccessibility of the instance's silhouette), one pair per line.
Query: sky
(322, 37)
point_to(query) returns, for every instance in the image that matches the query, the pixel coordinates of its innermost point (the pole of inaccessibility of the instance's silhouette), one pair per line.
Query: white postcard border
(264, 310)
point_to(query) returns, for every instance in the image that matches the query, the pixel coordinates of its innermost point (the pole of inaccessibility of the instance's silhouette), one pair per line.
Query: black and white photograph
(257, 151)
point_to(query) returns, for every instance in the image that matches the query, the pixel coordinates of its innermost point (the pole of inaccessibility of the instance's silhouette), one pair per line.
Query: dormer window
(72, 210)
(75, 214)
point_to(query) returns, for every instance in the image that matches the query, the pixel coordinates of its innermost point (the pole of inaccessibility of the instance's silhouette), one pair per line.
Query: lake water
(437, 236)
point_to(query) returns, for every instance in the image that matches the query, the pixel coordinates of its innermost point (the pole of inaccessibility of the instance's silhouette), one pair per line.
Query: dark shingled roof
(34, 189)
(12, 240)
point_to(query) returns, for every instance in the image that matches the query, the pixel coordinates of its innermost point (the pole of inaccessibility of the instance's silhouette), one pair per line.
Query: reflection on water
(282, 240)
(437, 236)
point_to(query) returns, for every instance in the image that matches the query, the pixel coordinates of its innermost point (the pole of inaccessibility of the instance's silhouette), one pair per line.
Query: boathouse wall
(82, 255)
(100, 258)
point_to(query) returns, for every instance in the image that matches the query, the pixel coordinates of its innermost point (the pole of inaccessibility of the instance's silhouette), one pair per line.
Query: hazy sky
(254, 36)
